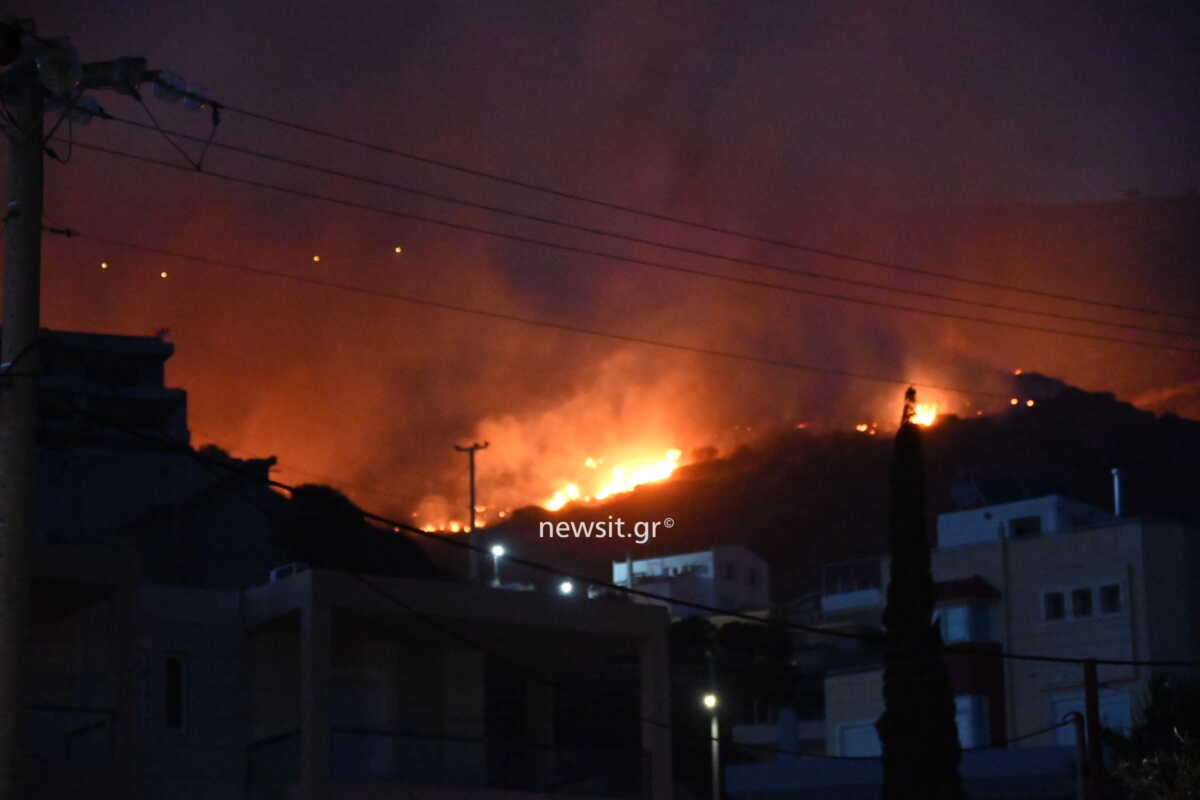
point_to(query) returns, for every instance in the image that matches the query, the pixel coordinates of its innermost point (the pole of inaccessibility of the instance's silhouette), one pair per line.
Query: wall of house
(1172, 563)
(853, 702)
(203, 756)
(1082, 560)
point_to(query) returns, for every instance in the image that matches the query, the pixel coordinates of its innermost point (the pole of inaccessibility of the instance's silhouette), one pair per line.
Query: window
(964, 623)
(174, 687)
(1024, 527)
(1081, 602)
(751, 576)
(971, 719)
(1110, 598)
(727, 571)
(1053, 605)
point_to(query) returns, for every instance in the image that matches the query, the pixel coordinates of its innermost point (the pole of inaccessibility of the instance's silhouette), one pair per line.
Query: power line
(632, 260)
(819, 251)
(497, 315)
(810, 274)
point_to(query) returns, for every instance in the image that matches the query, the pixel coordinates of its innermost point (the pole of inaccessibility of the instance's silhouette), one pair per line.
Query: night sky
(922, 133)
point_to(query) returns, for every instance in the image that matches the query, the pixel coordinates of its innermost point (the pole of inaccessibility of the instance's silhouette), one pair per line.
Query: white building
(727, 577)
(1048, 576)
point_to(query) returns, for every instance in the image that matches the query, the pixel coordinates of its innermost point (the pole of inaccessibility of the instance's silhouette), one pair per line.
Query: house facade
(727, 577)
(1047, 576)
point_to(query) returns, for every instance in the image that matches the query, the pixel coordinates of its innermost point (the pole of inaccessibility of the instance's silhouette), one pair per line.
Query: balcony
(378, 760)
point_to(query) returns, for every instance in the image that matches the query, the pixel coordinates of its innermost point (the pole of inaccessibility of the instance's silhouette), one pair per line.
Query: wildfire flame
(925, 414)
(622, 478)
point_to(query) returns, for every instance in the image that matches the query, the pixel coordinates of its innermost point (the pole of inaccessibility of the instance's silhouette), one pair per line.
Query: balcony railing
(367, 755)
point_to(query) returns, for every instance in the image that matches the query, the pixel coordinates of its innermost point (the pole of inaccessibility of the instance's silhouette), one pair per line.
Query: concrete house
(727, 576)
(1050, 576)
(168, 656)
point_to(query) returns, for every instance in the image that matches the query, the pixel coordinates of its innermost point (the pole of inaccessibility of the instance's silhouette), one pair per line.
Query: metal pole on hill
(473, 557)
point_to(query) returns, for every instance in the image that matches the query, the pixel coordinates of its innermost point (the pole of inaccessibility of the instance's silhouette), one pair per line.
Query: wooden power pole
(37, 70)
(18, 395)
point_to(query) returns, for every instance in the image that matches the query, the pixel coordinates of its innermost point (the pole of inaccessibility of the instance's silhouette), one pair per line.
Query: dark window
(1023, 527)
(1081, 602)
(1110, 599)
(174, 692)
(751, 576)
(728, 571)
(1055, 607)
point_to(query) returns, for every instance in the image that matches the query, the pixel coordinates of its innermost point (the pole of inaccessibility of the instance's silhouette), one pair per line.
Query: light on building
(710, 700)
(399, 250)
(316, 258)
(1012, 401)
(162, 274)
(103, 265)
(497, 550)
(566, 587)
(1029, 403)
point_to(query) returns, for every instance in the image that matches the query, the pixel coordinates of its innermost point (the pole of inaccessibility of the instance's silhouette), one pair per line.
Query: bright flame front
(621, 478)
(925, 414)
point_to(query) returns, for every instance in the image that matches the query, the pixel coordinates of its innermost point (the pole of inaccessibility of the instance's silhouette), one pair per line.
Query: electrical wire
(637, 261)
(498, 315)
(445, 198)
(727, 231)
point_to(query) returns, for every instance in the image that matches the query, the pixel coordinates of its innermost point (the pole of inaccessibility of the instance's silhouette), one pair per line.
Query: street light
(566, 587)
(711, 702)
(497, 552)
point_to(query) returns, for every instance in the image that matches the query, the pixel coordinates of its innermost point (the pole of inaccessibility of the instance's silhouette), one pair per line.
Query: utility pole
(37, 71)
(18, 395)
(473, 556)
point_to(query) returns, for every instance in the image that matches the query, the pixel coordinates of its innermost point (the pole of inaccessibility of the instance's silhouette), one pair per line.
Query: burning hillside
(803, 497)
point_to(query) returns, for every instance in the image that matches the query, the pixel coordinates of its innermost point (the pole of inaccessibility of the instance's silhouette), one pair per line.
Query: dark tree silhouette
(323, 528)
(921, 752)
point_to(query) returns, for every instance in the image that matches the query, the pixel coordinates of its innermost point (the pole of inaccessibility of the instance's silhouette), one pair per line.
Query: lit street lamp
(497, 552)
(710, 702)
(566, 587)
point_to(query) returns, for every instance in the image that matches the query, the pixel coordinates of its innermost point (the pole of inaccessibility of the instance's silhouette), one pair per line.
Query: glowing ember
(925, 414)
(622, 478)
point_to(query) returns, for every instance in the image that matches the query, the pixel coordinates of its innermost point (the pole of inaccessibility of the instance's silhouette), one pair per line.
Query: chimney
(1116, 476)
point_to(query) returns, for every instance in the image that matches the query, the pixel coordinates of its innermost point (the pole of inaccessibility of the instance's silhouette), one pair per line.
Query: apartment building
(324, 684)
(727, 577)
(168, 656)
(1051, 576)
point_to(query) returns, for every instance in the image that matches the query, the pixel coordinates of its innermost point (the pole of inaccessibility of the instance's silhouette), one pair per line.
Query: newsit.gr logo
(641, 531)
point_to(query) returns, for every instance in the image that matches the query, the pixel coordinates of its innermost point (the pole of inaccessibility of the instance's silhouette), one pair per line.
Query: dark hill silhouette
(322, 527)
(802, 499)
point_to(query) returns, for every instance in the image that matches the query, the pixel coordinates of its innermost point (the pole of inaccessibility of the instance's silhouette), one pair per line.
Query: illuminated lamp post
(497, 552)
(710, 702)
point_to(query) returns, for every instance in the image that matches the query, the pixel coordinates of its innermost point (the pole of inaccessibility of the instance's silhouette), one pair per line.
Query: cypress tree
(921, 752)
